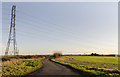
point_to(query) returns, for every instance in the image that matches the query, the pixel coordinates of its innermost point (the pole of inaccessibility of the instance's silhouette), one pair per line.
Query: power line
(57, 26)
(37, 28)
(52, 28)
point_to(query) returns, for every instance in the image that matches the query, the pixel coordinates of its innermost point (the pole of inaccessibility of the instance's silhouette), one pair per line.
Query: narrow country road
(51, 68)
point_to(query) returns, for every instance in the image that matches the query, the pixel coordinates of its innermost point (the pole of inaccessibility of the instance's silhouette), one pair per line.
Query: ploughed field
(93, 65)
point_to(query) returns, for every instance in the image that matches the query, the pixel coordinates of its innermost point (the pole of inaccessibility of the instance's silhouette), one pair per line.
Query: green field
(96, 59)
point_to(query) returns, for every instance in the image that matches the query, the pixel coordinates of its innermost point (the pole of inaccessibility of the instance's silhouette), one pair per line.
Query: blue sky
(69, 27)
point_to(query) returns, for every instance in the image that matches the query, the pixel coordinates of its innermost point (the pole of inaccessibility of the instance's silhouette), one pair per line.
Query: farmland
(98, 66)
(93, 65)
(96, 59)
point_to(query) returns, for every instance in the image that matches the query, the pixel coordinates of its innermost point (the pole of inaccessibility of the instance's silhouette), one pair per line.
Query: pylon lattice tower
(12, 35)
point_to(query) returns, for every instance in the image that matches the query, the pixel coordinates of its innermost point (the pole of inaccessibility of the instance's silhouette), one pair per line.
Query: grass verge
(21, 68)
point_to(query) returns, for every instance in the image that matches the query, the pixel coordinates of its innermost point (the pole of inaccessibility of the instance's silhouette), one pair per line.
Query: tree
(57, 54)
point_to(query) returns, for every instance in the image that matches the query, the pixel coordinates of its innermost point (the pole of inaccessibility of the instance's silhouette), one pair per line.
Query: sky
(67, 27)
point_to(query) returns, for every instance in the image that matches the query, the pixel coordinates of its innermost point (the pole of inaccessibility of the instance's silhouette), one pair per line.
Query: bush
(57, 54)
(5, 59)
(94, 54)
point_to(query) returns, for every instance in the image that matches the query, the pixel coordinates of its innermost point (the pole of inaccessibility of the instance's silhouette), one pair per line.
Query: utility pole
(12, 35)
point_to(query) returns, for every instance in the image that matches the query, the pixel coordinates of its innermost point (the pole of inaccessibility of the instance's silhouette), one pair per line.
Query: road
(51, 68)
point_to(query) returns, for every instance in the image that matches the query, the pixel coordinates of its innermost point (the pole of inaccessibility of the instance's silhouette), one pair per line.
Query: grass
(21, 68)
(90, 71)
(96, 59)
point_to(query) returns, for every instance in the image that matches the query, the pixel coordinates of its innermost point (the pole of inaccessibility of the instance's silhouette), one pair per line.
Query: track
(51, 68)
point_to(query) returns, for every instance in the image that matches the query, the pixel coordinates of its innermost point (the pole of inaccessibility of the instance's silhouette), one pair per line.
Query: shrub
(57, 54)
(5, 59)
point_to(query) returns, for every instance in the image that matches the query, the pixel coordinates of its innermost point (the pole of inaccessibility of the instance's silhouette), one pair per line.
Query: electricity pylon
(12, 35)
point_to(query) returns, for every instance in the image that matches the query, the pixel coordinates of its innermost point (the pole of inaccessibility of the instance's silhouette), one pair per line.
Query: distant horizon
(70, 54)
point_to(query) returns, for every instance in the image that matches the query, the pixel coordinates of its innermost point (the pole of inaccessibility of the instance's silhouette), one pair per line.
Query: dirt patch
(61, 59)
